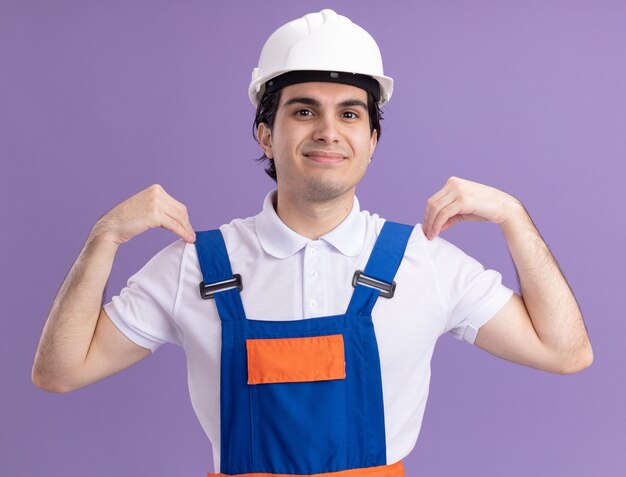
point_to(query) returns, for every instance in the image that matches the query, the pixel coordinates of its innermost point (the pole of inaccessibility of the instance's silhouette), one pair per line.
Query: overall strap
(381, 267)
(218, 281)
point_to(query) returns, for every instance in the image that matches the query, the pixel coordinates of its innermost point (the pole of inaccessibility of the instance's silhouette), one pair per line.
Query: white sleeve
(144, 309)
(470, 295)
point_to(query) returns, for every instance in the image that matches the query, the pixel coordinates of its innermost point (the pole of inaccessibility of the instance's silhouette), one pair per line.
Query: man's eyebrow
(308, 101)
(302, 100)
(350, 103)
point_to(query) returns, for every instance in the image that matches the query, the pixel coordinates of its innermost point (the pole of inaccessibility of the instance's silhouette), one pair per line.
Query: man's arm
(79, 344)
(544, 327)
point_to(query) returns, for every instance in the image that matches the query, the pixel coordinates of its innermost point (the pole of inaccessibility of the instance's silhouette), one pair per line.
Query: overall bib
(302, 397)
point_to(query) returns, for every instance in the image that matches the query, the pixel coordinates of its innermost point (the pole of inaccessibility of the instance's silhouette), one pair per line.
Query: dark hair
(266, 113)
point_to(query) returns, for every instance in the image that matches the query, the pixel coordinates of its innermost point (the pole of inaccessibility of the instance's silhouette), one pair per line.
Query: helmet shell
(322, 41)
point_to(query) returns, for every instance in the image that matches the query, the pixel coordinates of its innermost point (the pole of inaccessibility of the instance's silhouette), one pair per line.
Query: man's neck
(313, 219)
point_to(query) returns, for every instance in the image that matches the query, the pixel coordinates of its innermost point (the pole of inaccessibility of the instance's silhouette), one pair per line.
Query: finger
(447, 212)
(435, 208)
(168, 200)
(451, 221)
(178, 212)
(166, 205)
(432, 206)
(170, 223)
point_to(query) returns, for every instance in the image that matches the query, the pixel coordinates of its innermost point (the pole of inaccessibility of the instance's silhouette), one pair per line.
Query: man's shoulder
(240, 232)
(375, 223)
(239, 226)
(235, 226)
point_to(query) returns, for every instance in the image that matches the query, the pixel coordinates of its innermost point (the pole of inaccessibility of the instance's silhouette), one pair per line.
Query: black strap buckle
(387, 290)
(208, 291)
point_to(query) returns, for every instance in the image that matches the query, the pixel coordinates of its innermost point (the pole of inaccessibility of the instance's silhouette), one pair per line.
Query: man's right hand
(150, 208)
(80, 344)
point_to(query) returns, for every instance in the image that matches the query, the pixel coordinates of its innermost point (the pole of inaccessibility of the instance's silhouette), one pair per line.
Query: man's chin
(323, 190)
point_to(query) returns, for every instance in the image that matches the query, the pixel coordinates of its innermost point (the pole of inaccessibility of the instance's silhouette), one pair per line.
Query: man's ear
(264, 136)
(373, 143)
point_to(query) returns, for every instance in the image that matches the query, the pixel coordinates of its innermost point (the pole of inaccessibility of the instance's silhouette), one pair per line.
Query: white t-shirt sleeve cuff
(133, 335)
(484, 313)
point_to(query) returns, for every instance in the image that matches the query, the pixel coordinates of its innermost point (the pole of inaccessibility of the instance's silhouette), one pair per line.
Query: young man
(304, 356)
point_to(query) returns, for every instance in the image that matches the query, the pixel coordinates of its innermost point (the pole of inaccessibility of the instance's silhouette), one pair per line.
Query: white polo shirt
(289, 277)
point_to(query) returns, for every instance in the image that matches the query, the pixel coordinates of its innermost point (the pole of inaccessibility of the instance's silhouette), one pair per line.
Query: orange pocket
(289, 360)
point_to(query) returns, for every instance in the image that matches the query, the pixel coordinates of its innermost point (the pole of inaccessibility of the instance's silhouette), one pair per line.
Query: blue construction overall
(302, 397)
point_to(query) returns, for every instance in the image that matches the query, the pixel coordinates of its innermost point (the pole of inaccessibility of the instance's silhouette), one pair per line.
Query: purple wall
(100, 99)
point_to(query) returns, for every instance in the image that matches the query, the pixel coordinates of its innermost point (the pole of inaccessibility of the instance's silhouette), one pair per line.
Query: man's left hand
(461, 199)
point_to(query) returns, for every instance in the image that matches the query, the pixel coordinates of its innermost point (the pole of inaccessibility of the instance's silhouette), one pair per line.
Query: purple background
(100, 99)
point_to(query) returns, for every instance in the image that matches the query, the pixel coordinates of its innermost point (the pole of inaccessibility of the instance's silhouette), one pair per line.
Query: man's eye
(350, 115)
(303, 112)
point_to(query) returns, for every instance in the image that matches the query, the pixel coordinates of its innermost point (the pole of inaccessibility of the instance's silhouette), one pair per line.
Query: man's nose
(327, 129)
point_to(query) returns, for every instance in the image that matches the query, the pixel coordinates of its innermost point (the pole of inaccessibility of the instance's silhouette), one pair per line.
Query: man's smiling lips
(324, 157)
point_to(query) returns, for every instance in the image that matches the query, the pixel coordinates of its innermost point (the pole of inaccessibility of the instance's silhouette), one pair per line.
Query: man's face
(320, 142)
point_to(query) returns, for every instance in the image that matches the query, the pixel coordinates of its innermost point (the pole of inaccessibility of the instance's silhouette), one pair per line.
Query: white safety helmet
(321, 46)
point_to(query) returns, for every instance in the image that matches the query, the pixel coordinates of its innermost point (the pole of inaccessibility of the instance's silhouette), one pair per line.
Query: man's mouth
(325, 157)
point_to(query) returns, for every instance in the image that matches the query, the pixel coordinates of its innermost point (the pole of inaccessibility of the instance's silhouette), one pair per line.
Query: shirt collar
(281, 242)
